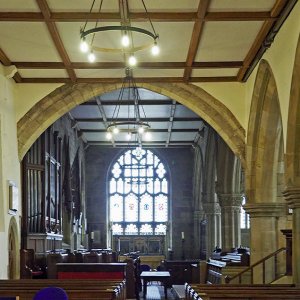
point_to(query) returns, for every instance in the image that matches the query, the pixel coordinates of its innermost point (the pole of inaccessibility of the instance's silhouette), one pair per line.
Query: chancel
(150, 149)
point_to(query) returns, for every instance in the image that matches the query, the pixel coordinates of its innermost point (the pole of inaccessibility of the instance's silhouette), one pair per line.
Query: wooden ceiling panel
(164, 6)
(27, 42)
(82, 5)
(100, 73)
(158, 72)
(18, 6)
(227, 41)
(241, 5)
(90, 125)
(43, 73)
(174, 40)
(214, 72)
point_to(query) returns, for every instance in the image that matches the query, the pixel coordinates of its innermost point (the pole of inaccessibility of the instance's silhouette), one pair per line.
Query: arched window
(138, 194)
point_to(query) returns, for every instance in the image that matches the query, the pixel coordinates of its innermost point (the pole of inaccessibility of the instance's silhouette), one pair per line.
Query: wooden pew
(250, 292)
(91, 289)
(214, 271)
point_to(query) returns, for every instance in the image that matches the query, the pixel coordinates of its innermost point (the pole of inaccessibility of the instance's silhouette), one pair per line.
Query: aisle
(156, 292)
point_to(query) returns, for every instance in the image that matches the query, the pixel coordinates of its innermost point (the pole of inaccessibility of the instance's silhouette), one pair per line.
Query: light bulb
(148, 136)
(91, 57)
(109, 136)
(116, 130)
(84, 47)
(141, 129)
(132, 60)
(155, 49)
(125, 40)
(128, 136)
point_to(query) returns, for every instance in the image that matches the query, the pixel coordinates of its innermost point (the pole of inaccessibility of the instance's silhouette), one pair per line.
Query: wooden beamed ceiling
(231, 69)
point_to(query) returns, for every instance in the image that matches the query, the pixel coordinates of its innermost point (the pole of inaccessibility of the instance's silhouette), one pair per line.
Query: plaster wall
(9, 164)
(281, 57)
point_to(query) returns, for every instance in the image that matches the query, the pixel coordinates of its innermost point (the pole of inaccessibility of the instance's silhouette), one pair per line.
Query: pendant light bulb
(141, 129)
(128, 136)
(148, 136)
(116, 130)
(125, 40)
(109, 136)
(84, 47)
(155, 49)
(91, 57)
(132, 60)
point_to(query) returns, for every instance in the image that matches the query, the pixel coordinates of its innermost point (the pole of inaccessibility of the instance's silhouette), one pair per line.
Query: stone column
(264, 234)
(292, 196)
(213, 216)
(198, 217)
(230, 218)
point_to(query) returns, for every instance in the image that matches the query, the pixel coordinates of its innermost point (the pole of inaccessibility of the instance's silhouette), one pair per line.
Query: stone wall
(178, 162)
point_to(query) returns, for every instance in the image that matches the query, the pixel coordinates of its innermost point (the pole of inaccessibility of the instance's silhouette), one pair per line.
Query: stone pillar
(230, 218)
(264, 234)
(213, 216)
(292, 196)
(198, 217)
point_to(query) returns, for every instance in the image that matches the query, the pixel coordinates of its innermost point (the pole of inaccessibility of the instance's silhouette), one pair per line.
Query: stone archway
(13, 255)
(292, 174)
(264, 171)
(64, 98)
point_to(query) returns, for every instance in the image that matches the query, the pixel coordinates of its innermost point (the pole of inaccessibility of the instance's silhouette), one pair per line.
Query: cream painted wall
(232, 95)
(9, 164)
(28, 94)
(281, 58)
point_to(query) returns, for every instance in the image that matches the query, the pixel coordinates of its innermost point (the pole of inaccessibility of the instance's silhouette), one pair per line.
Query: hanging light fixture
(128, 35)
(134, 126)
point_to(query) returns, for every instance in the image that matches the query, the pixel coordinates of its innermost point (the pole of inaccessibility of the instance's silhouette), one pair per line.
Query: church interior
(160, 134)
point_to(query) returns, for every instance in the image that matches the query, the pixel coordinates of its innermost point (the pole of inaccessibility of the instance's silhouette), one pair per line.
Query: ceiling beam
(145, 144)
(177, 119)
(137, 80)
(195, 39)
(136, 17)
(260, 38)
(56, 38)
(121, 65)
(143, 102)
(150, 130)
(6, 62)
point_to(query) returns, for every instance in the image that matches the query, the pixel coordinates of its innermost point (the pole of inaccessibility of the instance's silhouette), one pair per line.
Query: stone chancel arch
(64, 98)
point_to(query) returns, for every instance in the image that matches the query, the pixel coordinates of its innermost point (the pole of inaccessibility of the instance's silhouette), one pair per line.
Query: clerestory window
(138, 194)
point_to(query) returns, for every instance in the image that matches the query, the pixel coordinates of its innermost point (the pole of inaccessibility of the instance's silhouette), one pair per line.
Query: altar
(152, 260)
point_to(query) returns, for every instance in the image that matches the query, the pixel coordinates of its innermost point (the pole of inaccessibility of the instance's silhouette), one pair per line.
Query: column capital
(230, 200)
(292, 196)
(265, 209)
(212, 208)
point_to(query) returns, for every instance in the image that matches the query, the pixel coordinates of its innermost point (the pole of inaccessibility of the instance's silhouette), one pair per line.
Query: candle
(92, 235)
(182, 235)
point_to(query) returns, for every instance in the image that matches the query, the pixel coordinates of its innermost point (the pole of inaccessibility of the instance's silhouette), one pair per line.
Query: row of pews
(25, 289)
(240, 291)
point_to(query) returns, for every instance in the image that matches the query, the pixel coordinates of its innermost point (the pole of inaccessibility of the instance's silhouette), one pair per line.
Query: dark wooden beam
(6, 62)
(56, 38)
(136, 17)
(196, 35)
(121, 65)
(137, 80)
(260, 38)
(122, 102)
(150, 130)
(178, 119)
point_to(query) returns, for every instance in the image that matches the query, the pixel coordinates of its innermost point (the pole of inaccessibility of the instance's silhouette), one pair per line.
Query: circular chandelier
(128, 45)
(134, 125)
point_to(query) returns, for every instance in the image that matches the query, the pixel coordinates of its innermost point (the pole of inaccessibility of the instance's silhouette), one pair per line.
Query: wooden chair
(29, 269)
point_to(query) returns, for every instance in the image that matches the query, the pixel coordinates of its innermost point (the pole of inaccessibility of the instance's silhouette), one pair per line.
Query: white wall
(9, 164)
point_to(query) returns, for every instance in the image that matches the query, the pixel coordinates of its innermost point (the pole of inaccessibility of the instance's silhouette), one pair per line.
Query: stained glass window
(138, 194)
